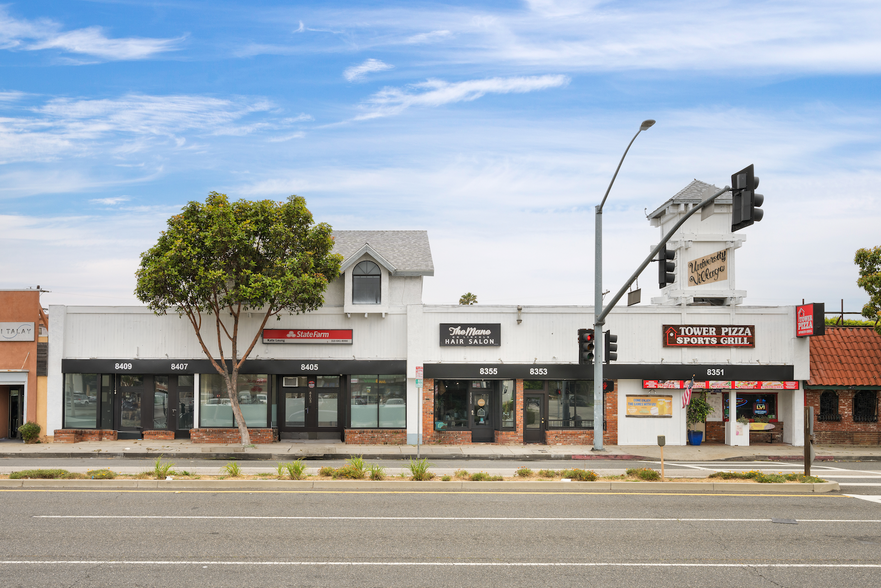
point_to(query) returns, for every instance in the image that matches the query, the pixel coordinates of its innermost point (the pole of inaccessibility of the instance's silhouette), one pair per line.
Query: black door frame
(539, 433)
(310, 428)
(486, 433)
(148, 395)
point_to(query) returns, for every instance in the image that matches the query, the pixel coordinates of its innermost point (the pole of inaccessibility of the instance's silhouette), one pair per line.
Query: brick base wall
(77, 435)
(845, 431)
(258, 436)
(158, 435)
(375, 436)
(579, 437)
(715, 432)
(448, 438)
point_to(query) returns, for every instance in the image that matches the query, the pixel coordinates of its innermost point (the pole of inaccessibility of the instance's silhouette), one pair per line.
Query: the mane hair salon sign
(470, 335)
(708, 269)
(709, 336)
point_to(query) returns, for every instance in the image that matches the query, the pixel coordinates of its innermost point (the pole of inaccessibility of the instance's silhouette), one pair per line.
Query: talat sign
(810, 320)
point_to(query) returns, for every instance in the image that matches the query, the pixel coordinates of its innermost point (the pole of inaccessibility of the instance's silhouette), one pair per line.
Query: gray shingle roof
(408, 251)
(693, 193)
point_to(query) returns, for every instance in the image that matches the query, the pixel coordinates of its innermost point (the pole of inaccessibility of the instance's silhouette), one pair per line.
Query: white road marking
(505, 519)
(865, 497)
(439, 564)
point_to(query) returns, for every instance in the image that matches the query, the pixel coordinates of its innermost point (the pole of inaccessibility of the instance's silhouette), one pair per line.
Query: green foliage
(295, 470)
(30, 432)
(484, 477)
(357, 464)
(377, 472)
(547, 474)
(467, 299)
(226, 259)
(419, 469)
(40, 474)
(446, 478)
(763, 478)
(462, 474)
(647, 474)
(837, 322)
(326, 471)
(102, 474)
(162, 470)
(698, 409)
(579, 475)
(349, 472)
(523, 472)
(232, 469)
(869, 262)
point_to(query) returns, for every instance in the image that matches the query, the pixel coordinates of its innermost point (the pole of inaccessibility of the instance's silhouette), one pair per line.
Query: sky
(495, 126)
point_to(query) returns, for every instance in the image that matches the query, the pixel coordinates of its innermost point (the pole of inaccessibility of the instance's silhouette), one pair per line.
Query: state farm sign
(311, 336)
(709, 336)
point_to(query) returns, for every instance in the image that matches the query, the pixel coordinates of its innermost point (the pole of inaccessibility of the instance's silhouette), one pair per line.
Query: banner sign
(649, 406)
(709, 336)
(17, 331)
(708, 269)
(810, 320)
(311, 336)
(719, 385)
(470, 335)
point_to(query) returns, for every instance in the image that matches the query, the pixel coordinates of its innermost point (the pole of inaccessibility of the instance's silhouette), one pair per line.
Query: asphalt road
(218, 539)
(859, 478)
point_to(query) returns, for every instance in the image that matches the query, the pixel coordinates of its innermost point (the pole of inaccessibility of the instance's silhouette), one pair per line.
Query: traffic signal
(666, 267)
(586, 344)
(745, 202)
(610, 346)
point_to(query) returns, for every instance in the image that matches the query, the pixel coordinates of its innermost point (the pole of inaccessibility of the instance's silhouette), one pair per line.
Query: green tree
(467, 299)
(222, 260)
(869, 262)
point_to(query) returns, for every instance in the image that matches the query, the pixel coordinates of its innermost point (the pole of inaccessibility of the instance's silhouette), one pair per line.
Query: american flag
(686, 397)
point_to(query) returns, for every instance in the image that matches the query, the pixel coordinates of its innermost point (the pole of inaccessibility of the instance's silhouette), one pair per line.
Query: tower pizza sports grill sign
(473, 335)
(709, 336)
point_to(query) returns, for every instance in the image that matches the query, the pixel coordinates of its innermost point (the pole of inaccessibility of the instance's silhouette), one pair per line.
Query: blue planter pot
(695, 437)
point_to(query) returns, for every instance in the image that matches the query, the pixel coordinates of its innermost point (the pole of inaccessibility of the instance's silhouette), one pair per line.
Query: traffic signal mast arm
(600, 320)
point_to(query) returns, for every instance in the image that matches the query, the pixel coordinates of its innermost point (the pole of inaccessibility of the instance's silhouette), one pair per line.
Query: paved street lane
(435, 539)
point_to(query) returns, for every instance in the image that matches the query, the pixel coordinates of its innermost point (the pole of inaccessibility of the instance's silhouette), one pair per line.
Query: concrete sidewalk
(288, 451)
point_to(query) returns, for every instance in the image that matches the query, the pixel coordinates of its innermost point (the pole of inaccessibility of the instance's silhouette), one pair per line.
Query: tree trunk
(231, 381)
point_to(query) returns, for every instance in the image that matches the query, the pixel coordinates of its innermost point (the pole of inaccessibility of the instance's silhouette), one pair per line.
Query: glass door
(133, 410)
(310, 407)
(172, 404)
(533, 418)
(482, 406)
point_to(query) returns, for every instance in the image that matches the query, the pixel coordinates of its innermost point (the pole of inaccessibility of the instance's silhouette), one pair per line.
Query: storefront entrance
(310, 407)
(152, 403)
(534, 419)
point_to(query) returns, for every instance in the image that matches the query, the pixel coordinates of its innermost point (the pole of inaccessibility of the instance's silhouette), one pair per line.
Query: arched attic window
(366, 283)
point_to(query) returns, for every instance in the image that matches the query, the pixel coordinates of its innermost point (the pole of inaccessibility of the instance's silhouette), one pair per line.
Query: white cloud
(431, 37)
(112, 201)
(45, 34)
(357, 72)
(391, 101)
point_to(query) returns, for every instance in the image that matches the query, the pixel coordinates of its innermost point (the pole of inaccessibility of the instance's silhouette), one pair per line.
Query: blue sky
(495, 126)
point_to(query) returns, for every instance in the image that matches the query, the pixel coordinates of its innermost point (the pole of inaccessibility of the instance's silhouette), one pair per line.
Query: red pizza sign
(310, 336)
(810, 320)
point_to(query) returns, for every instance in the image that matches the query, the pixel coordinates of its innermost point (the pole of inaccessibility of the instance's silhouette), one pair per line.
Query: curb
(411, 486)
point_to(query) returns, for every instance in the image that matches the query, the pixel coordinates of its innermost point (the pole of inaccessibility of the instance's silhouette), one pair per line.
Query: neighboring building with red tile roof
(845, 386)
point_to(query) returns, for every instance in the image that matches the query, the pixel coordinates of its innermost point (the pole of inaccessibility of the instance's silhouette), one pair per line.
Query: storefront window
(570, 404)
(216, 408)
(80, 401)
(451, 404)
(378, 401)
(509, 404)
(760, 407)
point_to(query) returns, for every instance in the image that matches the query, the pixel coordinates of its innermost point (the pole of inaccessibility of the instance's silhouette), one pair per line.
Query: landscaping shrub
(462, 474)
(30, 432)
(39, 474)
(326, 471)
(646, 474)
(523, 472)
(547, 473)
(162, 470)
(419, 469)
(102, 474)
(580, 475)
(232, 469)
(296, 470)
(377, 472)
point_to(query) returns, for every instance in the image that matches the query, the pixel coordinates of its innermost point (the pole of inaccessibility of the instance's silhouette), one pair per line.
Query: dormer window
(366, 283)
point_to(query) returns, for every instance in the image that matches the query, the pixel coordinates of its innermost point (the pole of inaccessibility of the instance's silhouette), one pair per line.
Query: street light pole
(598, 408)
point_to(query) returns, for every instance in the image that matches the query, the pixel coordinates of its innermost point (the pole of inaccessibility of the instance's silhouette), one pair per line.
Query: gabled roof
(846, 356)
(693, 193)
(403, 253)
